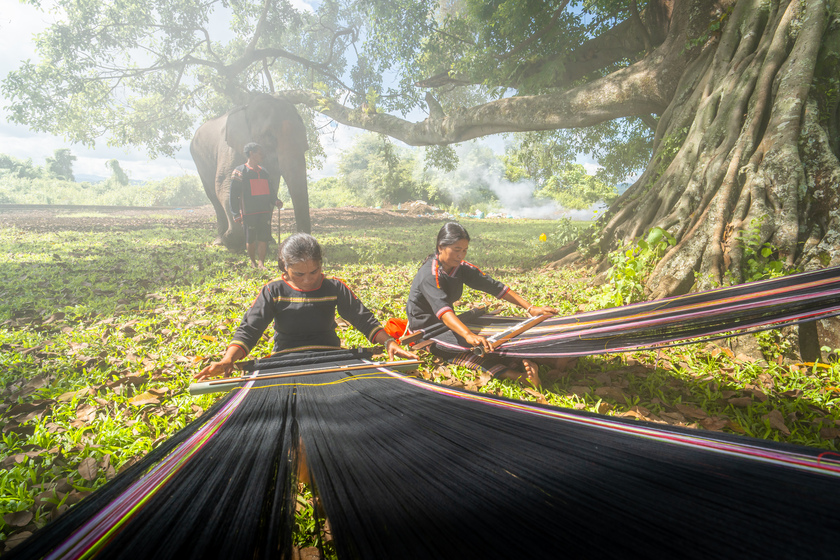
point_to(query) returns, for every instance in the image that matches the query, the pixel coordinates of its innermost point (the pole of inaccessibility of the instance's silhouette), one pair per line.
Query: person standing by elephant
(252, 201)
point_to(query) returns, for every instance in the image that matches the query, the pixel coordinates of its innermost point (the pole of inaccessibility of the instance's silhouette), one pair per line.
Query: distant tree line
(372, 172)
(22, 182)
(376, 172)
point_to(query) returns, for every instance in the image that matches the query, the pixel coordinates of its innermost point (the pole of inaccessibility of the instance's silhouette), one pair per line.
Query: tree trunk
(747, 148)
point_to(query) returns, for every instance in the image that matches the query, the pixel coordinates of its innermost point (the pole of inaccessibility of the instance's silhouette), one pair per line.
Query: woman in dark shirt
(302, 306)
(439, 284)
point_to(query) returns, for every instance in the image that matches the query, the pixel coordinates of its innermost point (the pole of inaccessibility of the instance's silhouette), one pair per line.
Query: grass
(101, 330)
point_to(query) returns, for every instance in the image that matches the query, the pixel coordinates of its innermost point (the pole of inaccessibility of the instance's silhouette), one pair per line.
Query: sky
(18, 25)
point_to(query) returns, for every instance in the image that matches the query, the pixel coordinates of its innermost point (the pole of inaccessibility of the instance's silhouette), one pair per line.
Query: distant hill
(85, 178)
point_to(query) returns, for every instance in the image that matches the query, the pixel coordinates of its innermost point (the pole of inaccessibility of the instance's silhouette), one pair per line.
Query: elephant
(217, 148)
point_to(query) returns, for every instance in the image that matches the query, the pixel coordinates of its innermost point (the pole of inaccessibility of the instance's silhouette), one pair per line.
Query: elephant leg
(221, 223)
(295, 176)
(232, 235)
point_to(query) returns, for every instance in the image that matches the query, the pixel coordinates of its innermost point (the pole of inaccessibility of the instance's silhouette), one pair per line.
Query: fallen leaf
(672, 416)
(716, 423)
(16, 539)
(759, 395)
(143, 399)
(18, 518)
(69, 396)
(88, 469)
(611, 393)
(579, 390)
(777, 421)
(829, 433)
(85, 413)
(743, 402)
(691, 411)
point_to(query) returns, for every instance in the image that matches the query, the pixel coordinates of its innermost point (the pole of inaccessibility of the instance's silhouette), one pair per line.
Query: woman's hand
(395, 349)
(536, 310)
(224, 366)
(215, 369)
(475, 340)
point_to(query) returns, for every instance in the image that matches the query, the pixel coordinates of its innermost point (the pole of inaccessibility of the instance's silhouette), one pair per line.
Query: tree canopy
(729, 107)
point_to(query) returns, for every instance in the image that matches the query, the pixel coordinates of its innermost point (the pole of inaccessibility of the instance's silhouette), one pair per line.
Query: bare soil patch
(42, 217)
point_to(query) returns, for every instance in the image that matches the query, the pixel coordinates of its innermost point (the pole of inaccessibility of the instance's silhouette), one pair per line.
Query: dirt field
(41, 217)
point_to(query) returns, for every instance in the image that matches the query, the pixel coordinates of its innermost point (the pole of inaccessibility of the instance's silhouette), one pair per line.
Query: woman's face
(452, 255)
(304, 275)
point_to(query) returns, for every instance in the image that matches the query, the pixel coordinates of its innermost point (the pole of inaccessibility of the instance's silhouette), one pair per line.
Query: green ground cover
(102, 328)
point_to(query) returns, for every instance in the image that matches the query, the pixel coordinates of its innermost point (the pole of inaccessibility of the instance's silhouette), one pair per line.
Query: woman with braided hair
(439, 284)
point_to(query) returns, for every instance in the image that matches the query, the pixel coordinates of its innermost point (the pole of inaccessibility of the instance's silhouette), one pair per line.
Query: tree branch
(621, 42)
(642, 89)
(252, 44)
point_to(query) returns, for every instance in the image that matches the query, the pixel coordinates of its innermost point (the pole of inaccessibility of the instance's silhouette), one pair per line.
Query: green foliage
(22, 169)
(147, 72)
(565, 231)
(573, 188)
(118, 177)
(377, 172)
(622, 148)
(758, 262)
(714, 29)
(331, 192)
(105, 326)
(184, 190)
(61, 165)
(630, 268)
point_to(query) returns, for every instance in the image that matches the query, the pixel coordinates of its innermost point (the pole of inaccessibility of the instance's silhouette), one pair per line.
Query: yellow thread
(342, 380)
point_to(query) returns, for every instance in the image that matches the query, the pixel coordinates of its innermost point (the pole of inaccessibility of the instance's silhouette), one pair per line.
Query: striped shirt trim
(472, 265)
(374, 332)
(241, 345)
(304, 299)
(440, 313)
(305, 348)
(435, 270)
(501, 295)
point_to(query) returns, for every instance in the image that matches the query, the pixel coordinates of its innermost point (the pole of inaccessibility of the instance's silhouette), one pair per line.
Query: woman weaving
(302, 305)
(439, 284)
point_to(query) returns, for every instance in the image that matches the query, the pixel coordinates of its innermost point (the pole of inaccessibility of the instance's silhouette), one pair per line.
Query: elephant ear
(237, 132)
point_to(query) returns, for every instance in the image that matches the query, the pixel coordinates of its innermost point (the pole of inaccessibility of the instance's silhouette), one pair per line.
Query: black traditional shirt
(434, 292)
(251, 192)
(303, 320)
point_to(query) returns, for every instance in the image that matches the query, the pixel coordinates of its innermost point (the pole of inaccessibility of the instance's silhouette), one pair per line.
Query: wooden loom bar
(500, 338)
(224, 384)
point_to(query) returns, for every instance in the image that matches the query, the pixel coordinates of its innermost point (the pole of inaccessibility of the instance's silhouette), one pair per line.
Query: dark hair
(250, 147)
(297, 248)
(449, 234)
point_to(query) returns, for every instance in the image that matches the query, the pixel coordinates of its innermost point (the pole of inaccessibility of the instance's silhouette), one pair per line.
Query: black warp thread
(404, 472)
(580, 334)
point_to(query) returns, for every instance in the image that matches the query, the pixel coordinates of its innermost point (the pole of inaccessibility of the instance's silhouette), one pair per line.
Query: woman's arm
(223, 366)
(532, 310)
(458, 327)
(393, 348)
